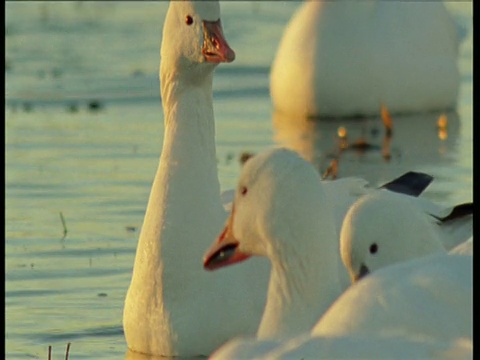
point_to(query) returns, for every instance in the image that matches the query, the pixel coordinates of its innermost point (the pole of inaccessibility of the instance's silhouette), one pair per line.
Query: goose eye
(373, 248)
(243, 190)
(188, 20)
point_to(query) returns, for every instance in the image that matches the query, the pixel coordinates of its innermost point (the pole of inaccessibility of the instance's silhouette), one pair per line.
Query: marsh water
(84, 128)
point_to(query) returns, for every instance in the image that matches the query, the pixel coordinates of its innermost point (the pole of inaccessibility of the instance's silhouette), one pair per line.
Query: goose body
(425, 298)
(352, 347)
(418, 309)
(172, 301)
(340, 59)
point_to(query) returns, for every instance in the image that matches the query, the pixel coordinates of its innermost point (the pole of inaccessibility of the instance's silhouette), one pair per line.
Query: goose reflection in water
(375, 148)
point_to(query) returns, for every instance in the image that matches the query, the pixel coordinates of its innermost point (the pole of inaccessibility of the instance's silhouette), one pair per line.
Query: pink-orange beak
(224, 250)
(215, 47)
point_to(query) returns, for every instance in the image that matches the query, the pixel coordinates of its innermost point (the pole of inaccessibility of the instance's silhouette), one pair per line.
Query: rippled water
(84, 128)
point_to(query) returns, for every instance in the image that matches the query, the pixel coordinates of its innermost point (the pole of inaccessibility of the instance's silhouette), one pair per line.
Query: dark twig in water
(67, 351)
(64, 224)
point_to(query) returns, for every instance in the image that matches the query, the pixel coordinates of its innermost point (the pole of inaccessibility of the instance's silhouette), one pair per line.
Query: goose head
(272, 187)
(193, 37)
(381, 229)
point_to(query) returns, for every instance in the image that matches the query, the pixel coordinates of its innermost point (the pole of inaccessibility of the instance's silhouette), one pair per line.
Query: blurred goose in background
(339, 59)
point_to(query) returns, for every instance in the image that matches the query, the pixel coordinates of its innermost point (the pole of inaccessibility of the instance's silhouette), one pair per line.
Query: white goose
(340, 58)
(293, 225)
(281, 211)
(173, 307)
(401, 231)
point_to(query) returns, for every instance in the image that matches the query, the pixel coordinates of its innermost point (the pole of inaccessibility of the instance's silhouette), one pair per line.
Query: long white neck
(303, 281)
(189, 123)
(184, 204)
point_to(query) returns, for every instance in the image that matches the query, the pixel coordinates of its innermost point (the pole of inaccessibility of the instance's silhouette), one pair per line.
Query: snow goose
(345, 58)
(401, 231)
(280, 211)
(173, 307)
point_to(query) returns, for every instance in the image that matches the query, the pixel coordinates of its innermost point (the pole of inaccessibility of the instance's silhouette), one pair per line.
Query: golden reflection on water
(364, 147)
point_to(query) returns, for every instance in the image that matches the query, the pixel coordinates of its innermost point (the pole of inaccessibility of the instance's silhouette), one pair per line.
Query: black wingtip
(458, 211)
(411, 183)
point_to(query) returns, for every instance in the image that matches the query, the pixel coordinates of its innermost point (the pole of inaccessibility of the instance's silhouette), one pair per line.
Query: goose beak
(364, 271)
(224, 250)
(215, 47)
